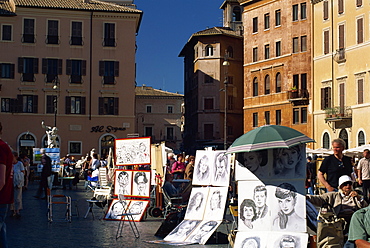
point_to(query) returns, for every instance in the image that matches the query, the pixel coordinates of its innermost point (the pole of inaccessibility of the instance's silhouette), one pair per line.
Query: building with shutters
(277, 64)
(341, 72)
(62, 62)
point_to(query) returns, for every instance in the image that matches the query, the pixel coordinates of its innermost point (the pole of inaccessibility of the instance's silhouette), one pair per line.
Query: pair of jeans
(3, 213)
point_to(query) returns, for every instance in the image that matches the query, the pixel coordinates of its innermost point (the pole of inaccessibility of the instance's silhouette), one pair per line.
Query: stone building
(69, 63)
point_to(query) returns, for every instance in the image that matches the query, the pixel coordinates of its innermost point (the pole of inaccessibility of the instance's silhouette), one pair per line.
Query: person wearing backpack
(18, 182)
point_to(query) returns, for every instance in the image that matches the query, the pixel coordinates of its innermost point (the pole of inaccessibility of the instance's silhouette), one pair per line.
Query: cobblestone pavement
(32, 229)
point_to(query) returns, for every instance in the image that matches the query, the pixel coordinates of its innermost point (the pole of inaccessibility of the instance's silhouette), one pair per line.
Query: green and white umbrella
(268, 137)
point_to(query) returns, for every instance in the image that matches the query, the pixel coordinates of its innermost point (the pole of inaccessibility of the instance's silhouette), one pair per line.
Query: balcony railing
(76, 41)
(52, 39)
(338, 112)
(299, 94)
(28, 38)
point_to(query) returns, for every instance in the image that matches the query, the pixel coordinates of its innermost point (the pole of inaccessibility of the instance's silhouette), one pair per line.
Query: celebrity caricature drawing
(254, 162)
(215, 205)
(260, 198)
(287, 219)
(181, 231)
(248, 214)
(251, 242)
(195, 209)
(288, 241)
(141, 184)
(202, 171)
(123, 183)
(116, 210)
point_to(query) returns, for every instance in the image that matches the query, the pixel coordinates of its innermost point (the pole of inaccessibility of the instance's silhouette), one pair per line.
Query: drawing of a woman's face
(289, 157)
(141, 185)
(220, 167)
(287, 204)
(251, 243)
(215, 201)
(198, 200)
(203, 165)
(248, 213)
(184, 228)
(252, 161)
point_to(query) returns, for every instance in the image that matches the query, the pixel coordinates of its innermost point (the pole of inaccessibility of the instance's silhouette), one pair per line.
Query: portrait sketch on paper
(141, 183)
(182, 230)
(135, 151)
(204, 168)
(137, 209)
(255, 162)
(288, 240)
(290, 162)
(215, 205)
(221, 176)
(123, 182)
(203, 231)
(197, 203)
(289, 209)
(250, 240)
(254, 206)
(116, 209)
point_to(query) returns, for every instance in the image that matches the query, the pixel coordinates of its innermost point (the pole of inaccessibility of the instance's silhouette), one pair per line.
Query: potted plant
(293, 89)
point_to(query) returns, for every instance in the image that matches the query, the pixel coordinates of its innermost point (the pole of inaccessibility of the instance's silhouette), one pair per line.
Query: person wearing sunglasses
(335, 166)
(344, 202)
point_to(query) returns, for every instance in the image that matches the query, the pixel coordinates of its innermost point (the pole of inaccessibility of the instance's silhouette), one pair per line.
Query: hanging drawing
(215, 205)
(204, 168)
(133, 151)
(123, 182)
(197, 203)
(252, 165)
(221, 169)
(141, 183)
(290, 162)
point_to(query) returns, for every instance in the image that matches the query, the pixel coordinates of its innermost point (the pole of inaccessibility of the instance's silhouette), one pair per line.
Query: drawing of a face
(248, 212)
(198, 200)
(287, 204)
(136, 208)
(289, 158)
(220, 167)
(141, 185)
(252, 161)
(185, 228)
(142, 147)
(116, 209)
(260, 198)
(203, 164)
(204, 230)
(123, 179)
(215, 200)
(250, 243)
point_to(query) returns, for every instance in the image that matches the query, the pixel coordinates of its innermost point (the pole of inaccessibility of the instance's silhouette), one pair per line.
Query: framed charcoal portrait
(133, 151)
(252, 165)
(290, 162)
(221, 176)
(116, 209)
(137, 209)
(203, 231)
(141, 183)
(215, 205)
(197, 203)
(123, 182)
(204, 167)
(254, 206)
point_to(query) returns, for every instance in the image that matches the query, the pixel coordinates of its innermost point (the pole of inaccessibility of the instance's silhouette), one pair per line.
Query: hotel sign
(106, 129)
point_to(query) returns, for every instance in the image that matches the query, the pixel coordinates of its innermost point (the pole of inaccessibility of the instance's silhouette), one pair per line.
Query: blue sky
(165, 28)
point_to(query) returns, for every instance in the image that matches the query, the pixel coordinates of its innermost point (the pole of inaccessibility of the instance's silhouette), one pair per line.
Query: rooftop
(149, 91)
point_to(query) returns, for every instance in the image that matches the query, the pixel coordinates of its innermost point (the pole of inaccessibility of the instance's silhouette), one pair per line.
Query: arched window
(326, 141)
(106, 142)
(255, 87)
(26, 144)
(278, 82)
(237, 16)
(209, 50)
(344, 136)
(267, 84)
(361, 138)
(230, 52)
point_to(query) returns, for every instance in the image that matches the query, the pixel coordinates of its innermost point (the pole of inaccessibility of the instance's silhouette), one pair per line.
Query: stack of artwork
(206, 205)
(272, 212)
(134, 184)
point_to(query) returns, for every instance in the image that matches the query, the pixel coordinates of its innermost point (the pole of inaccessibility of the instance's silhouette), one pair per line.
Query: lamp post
(56, 88)
(226, 64)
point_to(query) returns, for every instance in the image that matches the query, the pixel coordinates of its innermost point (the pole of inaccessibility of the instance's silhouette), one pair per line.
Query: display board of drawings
(272, 205)
(134, 184)
(207, 200)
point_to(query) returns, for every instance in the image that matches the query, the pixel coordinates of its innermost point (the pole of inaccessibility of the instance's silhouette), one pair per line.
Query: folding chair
(129, 217)
(234, 215)
(100, 199)
(59, 200)
(103, 177)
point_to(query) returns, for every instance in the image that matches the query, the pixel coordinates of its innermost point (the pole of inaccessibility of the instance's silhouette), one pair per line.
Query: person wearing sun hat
(344, 202)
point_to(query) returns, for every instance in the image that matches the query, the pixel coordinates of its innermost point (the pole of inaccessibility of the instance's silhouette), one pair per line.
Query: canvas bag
(329, 228)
